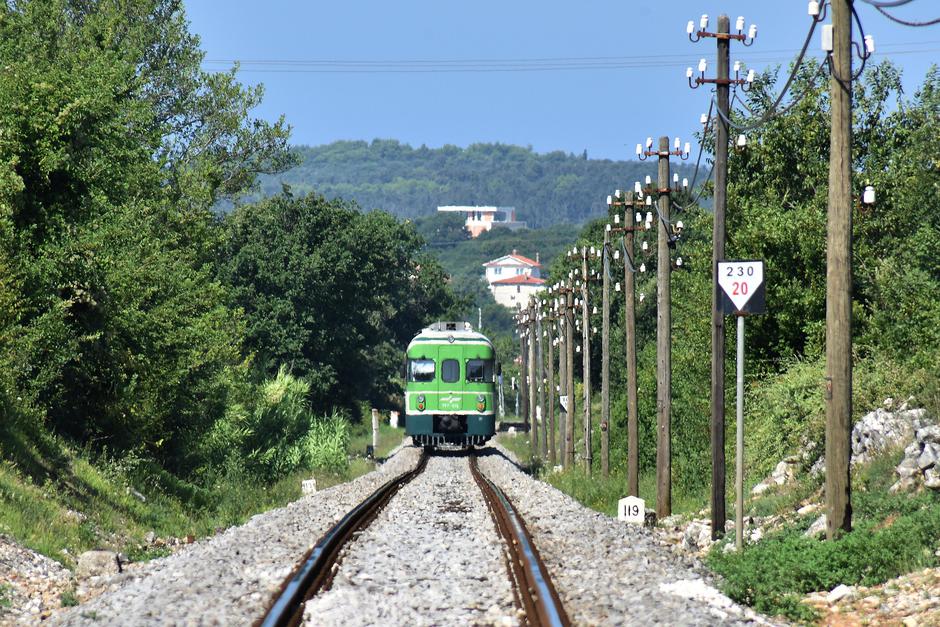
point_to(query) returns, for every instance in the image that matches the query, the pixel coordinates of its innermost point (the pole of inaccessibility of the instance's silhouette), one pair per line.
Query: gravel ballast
(609, 572)
(432, 557)
(228, 579)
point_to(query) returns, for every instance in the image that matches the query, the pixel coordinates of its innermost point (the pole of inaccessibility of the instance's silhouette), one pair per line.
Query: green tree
(114, 145)
(332, 292)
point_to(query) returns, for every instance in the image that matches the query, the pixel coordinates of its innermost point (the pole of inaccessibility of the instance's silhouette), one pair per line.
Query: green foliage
(789, 410)
(325, 445)
(331, 291)
(68, 598)
(279, 433)
(113, 146)
(546, 189)
(894, 534)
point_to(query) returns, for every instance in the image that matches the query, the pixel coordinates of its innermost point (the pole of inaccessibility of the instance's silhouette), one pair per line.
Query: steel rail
(315, 571)
(533, 587)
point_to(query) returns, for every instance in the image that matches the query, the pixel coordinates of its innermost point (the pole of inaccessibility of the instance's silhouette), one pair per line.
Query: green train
(450, 389)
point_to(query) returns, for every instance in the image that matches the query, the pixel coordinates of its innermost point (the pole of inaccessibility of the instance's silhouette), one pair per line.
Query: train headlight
(421, 402)
(481, 403)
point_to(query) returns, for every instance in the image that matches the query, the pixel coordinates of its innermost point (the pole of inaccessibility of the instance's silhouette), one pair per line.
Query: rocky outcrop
(882, 430)
(877, 432)
(921, 463)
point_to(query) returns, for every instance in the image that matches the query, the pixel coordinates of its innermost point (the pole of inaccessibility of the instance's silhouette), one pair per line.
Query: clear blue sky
(351, 84)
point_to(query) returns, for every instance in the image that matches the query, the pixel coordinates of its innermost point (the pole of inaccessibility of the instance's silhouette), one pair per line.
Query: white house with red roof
(513, 278)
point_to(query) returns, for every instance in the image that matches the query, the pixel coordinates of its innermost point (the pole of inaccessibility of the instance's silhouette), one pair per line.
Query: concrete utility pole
(543, 427)
(550, 327)
(533, 373)
(663, 344)
(586, 360)
(839, 279)
(605, 357)
(569, 369)
(718, 512)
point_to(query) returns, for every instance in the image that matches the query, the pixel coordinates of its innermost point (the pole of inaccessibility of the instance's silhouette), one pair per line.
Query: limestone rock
(929, 433)
(932, 478)
(817, 529)
(96, 563)
(840, 592)
(928, 456)
(807, 509)
(880, 430)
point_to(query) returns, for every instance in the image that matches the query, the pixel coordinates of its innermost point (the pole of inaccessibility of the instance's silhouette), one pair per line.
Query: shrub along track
(531, 587)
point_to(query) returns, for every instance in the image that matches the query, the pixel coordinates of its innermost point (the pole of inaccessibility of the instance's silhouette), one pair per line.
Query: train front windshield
(480, 370)
(421, 370)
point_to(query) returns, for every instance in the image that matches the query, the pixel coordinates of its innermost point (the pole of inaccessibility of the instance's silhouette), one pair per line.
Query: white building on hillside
(481, 219)
(513, 279)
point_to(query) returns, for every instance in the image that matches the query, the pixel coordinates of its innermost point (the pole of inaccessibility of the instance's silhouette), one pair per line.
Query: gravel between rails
(432, 557)
(229, 579)
(608, 572)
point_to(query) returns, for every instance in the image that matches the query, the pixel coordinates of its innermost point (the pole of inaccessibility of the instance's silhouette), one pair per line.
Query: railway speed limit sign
(742, 284)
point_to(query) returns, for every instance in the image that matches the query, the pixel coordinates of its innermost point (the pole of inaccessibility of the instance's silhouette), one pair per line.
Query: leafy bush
(279, 434)
(894, 534)
(325, 445)
(788, 411)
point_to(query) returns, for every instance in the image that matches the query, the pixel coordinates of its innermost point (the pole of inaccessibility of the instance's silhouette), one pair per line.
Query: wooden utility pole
(663, 344)
(605, 356)
(551, 386)
(839, 279)
(569, 369)
(533, 398)
(524, 371)
(586, 359)
(543, 425)
(629, 323)
(562, 375)
(718, 254)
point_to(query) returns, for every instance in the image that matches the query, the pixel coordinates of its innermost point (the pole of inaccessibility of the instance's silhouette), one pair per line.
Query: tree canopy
(545, 189)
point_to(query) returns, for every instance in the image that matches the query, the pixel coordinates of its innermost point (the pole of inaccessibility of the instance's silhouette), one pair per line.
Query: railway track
(531, 584)
(534, 593)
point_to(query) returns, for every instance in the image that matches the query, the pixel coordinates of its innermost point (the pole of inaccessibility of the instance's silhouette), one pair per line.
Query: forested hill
(546, 189)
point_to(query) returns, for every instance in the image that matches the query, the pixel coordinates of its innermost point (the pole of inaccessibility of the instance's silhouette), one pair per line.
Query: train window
(421, 370)
(450, 371)
(480, 370)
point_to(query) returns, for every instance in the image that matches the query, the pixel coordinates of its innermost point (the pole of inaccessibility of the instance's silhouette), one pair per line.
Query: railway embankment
(430, 557)
(229, 578)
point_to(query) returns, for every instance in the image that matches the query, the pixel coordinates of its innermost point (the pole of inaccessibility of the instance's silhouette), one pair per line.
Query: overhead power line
(905, 22)
(546, 64)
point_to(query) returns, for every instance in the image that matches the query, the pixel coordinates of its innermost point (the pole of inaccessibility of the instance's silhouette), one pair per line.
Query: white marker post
(631, 509)
(375, 431)
(743, 286)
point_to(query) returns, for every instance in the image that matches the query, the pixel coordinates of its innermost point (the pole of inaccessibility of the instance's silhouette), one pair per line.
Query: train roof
(450, 333)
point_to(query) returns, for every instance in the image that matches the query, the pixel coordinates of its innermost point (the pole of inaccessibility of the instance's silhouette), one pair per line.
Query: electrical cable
(767, 118)
(887, 4)
(771, 111)
(905, 22)
(626, 256)
(701, 146)
(698, 196)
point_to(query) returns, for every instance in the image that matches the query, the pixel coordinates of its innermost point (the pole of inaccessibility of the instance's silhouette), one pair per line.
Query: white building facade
(514, 278)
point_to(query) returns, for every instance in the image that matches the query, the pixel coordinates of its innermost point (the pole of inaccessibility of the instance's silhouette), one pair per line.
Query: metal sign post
(743, 285)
